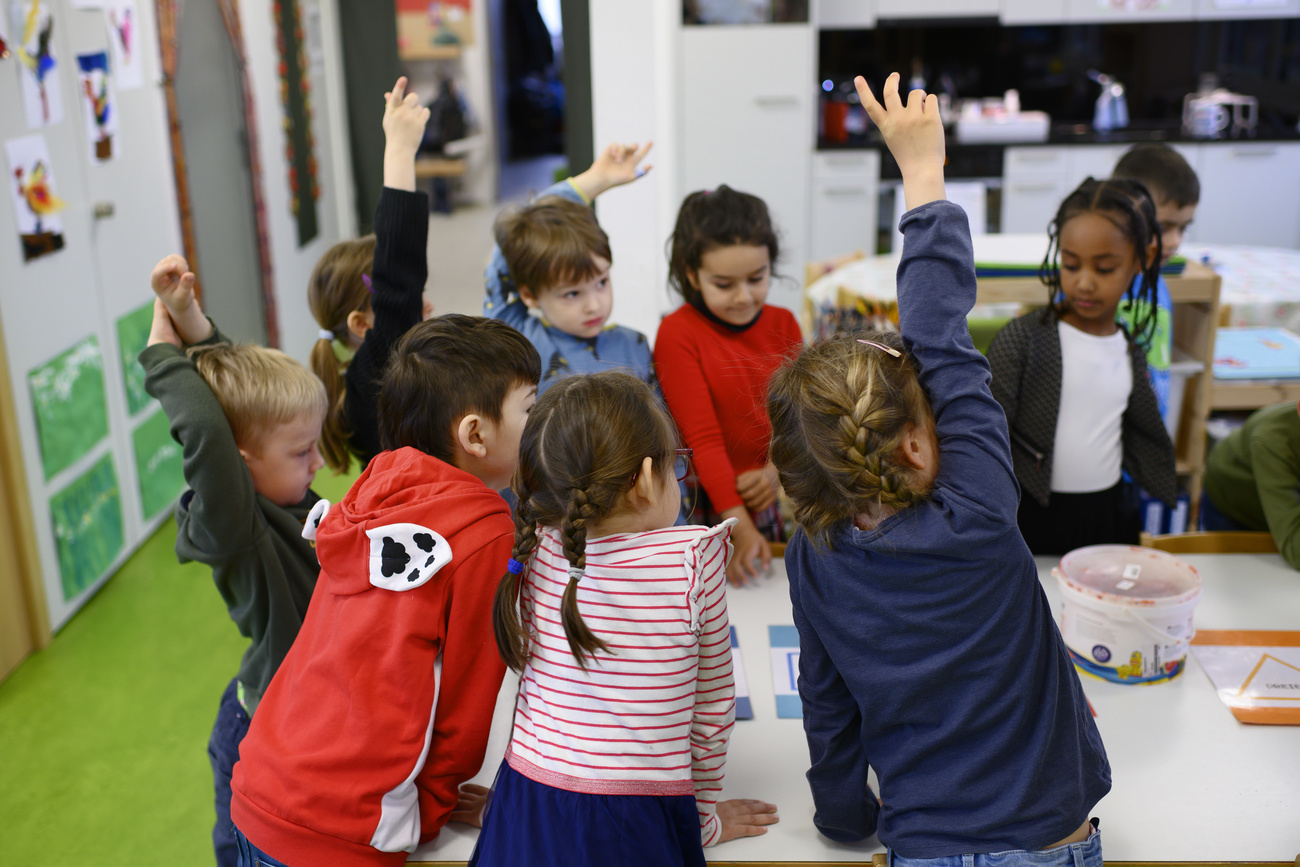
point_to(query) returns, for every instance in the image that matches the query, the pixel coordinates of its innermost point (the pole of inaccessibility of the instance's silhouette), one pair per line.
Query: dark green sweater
(263, 568)
(1253, 476)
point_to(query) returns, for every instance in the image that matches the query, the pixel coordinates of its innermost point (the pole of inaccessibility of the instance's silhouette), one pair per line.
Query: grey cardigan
(1026, 361)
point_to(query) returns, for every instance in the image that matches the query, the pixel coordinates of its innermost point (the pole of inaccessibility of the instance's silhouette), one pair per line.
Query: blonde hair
(336, 290)
(550, 242)
(839, 412)
(581, 449)
(258, 388)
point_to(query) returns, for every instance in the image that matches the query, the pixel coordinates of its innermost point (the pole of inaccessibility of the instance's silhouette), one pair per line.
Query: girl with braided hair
(617, 621)
(927, 648)
(1073, 380)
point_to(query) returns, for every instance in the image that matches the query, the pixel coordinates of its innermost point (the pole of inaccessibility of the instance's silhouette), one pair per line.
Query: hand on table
(469, 806)
(758, 487)
(749, 545)
(745, 817)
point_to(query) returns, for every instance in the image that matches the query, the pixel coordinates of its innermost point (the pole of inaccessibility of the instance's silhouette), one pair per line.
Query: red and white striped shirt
(652, 716)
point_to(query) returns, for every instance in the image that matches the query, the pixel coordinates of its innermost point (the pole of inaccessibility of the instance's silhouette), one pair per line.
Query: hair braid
(508, 627)
(573, 532)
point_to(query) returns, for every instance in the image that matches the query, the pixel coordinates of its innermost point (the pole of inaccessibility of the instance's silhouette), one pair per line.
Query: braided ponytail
(582, 641)
(512, 638)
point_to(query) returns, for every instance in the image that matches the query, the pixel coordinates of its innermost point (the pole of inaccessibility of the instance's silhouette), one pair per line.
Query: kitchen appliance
(1219, 114)
(1111, 111)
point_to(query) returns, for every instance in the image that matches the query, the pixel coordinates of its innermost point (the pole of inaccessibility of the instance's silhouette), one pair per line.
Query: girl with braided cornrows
(617, 621)
(1073, 381)
(927, 648)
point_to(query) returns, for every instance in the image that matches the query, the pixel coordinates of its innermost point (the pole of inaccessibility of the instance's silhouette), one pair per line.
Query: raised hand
(914, 134)
(616, 165)
(173, 282)
(745, 817)
(162, 330)
(404, 122)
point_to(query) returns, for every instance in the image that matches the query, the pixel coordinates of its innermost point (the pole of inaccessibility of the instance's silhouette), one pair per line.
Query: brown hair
(336, 289)
(709, 219)
(585, 440)
(839, 413)
(258, 388)
(1162, 170)
(444, 369)
(550, 242)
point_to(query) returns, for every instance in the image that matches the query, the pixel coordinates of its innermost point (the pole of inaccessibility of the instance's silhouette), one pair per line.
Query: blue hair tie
(514, 566)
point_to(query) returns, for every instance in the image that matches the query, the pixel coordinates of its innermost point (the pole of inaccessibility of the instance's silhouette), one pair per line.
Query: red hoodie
(382, 707)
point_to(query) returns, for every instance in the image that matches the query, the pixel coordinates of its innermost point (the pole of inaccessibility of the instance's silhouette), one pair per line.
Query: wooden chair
(1235, 542)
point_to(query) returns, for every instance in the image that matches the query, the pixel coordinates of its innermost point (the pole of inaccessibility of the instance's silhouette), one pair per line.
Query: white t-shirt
(1096, 378)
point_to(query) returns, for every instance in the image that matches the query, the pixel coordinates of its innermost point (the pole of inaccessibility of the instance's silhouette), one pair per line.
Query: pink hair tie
(891, 350)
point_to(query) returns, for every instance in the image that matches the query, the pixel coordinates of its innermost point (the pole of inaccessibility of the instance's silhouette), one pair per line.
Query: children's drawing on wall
(87, 519)
(300, 144)
(31, 187)
(123, 34)
(157, 464)
(101, 115)
(4, 39)
(33, 22)
(132, 337)
(69, 404)
(426, 23)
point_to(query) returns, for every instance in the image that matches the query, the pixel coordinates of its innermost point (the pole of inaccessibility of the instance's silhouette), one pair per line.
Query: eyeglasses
(682, 463)
(686, 481)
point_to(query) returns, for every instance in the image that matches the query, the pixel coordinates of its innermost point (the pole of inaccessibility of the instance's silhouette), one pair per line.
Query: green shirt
(1253, 476)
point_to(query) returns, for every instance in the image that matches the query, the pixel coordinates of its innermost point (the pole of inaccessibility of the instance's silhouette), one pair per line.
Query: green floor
(103, 734)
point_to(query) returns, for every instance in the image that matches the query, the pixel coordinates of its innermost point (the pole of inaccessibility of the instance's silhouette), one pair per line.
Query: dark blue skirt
(529, 823)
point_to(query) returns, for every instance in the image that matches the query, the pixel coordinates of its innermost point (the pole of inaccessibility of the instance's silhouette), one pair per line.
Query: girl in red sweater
(715, 355)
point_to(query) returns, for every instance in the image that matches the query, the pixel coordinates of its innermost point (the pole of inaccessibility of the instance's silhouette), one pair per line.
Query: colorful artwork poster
(31, 188)
(123, 44)
(295, 94)
(132, 337)
(157, 465)
(33, 44)
(68, 399)
(97, 103)
(87, 519)
(423, 24)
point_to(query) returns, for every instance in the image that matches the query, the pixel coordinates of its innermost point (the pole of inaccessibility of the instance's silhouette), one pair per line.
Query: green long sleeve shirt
(1253, 476)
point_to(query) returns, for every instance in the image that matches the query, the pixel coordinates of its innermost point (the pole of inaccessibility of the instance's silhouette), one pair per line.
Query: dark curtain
(370, 67)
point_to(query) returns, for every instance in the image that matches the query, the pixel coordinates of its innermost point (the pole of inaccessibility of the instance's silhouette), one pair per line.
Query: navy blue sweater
(927, 646)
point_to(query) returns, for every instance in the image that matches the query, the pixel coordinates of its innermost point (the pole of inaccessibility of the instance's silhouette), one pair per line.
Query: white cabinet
(844, 14)
(1034, 181)
(1129, 11)
(937, 8)
(1215, 9)
(747, 103)
(1033, 12)
(845, 203)
(1250, 194)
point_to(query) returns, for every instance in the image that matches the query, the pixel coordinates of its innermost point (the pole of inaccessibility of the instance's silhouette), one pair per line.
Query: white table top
(1190, 783)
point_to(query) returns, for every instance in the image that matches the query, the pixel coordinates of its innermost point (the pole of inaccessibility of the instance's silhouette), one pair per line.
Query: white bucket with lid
(1126, 613)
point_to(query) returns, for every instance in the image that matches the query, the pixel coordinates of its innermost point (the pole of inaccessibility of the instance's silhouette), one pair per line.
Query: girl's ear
(643, 492)
(359, 322)
(693, 277)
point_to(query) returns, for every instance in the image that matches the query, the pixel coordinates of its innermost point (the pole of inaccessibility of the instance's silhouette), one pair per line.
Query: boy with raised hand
(1176, 191)
(247, 419)
(552, 257)
(383, 707)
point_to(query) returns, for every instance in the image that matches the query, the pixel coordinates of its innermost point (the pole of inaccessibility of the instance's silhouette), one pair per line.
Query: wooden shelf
(439, 167)
(429, 52)
(1252, 393)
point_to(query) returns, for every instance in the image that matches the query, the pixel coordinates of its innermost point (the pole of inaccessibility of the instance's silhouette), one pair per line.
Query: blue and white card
(785, 670)
(744, 707)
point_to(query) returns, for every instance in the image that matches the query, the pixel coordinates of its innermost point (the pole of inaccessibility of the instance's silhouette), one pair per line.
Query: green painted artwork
(87, 518)
(132, 337)
(158, 464)
(69, 401)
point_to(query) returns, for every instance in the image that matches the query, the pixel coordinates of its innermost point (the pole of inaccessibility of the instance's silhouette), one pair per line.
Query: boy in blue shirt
(552, 257)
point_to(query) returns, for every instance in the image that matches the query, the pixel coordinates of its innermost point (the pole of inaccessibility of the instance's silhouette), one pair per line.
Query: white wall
(634, 54)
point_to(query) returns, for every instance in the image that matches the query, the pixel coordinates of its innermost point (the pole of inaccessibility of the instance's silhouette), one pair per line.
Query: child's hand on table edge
(745, 817)
(748, 544)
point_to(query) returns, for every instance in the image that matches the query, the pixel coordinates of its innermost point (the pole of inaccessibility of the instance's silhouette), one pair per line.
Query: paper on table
(744, 707)
(1257, 673)
(785, 670)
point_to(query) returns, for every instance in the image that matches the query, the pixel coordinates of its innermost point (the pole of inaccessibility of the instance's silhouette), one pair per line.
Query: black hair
(1163, 171)
(709, 219)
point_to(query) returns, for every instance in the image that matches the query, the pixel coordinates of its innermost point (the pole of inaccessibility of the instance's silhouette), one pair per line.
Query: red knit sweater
(715, 382)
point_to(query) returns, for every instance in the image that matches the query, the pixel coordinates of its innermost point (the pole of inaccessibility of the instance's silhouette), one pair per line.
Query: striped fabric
(652, 716)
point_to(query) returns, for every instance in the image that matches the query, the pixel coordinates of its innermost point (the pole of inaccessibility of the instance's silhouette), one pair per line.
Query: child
(715, 354)
(1073, 382)
(626, 700)
(1175, 190)
(247, 419)
(552, 256)
(927, 648)
(382, 708)
(1252, 479)
(364, 312)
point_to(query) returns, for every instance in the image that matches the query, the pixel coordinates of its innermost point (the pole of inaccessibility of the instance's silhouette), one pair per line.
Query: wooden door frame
(168, 14)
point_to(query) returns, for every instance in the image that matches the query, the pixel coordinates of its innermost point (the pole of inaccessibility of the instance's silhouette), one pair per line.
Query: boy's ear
(526, 295)
(469, 436)
(1152, 251)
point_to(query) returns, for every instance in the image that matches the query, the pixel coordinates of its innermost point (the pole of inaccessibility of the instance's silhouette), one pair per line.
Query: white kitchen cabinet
(844, 14)
(1218, 9)
(845, 203)
(1016, 12)
(747, 120)
(1034, 181)
(937, 8)
(1129, 12)
(1250, 194)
